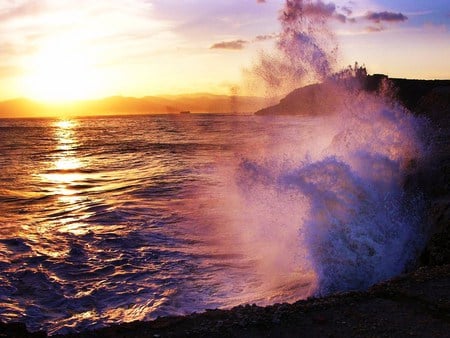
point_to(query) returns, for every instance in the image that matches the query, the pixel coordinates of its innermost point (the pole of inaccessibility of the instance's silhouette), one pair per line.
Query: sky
(56, 50)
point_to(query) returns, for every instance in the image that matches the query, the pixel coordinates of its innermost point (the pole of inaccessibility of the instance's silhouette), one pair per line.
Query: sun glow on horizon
(58, 73)
(62, 52)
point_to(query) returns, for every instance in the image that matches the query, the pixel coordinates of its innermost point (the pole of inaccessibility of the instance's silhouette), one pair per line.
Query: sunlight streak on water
(92, 218)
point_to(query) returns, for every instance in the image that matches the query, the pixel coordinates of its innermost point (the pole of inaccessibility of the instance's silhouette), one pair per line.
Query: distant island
(429, 97)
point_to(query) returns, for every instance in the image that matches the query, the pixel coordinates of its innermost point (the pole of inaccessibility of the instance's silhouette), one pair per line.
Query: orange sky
(55, 50)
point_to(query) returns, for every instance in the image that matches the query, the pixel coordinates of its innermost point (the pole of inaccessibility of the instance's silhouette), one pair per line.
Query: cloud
(235, 17)
(347, 10)
(240, 43)
(379, 17)
(261, 1)
(233, 45)
(340, 17)
(22, 9)
(104, 30)
(385, 16)
(374, 29)
(266, 37)
(320, 9)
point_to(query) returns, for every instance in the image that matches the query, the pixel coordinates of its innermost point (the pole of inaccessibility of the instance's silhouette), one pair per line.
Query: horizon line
(166, 95)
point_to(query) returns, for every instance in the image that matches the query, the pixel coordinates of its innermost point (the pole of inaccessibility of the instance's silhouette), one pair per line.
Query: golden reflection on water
(66, 164)
(65, 124)
(63, 173)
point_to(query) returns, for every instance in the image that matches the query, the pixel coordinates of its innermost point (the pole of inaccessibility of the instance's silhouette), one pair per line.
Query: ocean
(122, 218)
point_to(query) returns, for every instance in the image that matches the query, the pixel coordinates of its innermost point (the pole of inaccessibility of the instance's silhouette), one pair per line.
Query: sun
(59, 74)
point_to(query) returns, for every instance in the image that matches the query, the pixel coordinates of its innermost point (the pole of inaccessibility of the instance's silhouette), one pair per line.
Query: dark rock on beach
(436, 184)
(412, 305)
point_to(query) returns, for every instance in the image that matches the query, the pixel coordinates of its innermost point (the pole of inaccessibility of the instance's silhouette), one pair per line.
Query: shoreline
(414, 304)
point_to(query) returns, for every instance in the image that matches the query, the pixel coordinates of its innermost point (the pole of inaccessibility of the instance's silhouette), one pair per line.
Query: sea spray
(327, 208)
(362, 226)
(306, 49)
(322, 205)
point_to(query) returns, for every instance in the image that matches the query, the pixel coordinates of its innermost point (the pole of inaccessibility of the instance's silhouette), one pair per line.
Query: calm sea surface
(109, 219)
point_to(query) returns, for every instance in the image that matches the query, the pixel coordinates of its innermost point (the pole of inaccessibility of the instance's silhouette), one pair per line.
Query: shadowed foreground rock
(413, 305)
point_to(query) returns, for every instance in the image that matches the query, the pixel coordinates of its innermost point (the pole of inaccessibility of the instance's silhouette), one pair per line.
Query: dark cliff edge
(424, 97)
(415, 304)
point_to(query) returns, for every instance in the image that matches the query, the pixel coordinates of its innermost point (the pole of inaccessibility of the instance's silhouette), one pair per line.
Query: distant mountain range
(431, 97)
(196, 103)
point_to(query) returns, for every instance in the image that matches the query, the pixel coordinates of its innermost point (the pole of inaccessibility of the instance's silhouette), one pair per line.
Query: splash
(324, 201)
(306, 49)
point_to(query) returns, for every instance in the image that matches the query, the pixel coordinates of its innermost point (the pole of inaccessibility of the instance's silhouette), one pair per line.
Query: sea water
(115, 219)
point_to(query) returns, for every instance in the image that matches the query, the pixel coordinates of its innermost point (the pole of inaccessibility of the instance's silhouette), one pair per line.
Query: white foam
(325, 199)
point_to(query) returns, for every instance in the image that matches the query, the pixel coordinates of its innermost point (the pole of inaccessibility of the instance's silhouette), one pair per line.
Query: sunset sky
(78, 49)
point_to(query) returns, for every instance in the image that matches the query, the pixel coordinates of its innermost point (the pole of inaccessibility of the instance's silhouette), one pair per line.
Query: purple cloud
(316, 9)
(385, 16)
(320, 9)
(266, 37)
(347, 10)
(374, 29)
(341, 18)
(233, 45)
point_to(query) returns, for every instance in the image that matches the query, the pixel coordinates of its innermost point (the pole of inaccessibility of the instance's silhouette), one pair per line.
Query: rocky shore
(416, 304)
(412, 305)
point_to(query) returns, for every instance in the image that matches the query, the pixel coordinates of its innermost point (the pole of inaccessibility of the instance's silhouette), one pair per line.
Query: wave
(329, 203)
